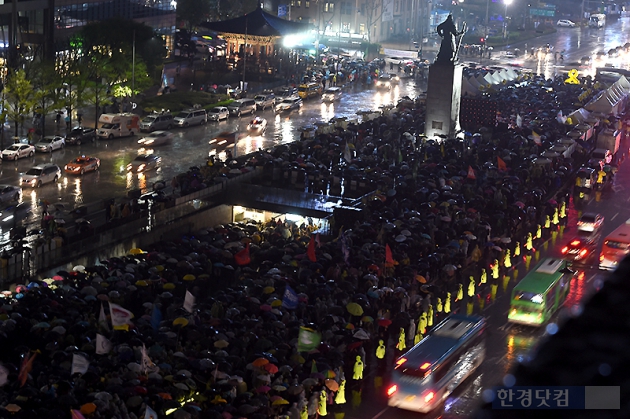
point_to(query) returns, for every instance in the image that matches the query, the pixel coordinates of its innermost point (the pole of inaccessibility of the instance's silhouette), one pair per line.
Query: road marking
(378, 415)
(614, 216)
(617, 188)
(506, 325)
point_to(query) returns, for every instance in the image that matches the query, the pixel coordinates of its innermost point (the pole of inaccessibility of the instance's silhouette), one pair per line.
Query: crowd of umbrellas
(264, 320)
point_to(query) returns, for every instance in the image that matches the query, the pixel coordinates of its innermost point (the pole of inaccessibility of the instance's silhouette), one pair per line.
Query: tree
(19, 98)
(193, 12)
(47, 86)
(373, 13)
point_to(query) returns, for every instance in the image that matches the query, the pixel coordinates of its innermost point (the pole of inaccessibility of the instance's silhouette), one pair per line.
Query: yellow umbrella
(142, 283)
(159, 268)
(354, 309)
(221, 344)
(203, 276)
(180, 321)
(169, 286)
(276, 303)
(279, 402)
(268, 290)
(136, 251)
(189, 277)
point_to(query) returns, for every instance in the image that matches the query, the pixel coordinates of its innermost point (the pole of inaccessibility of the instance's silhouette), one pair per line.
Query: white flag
(146, 363)
(519, 121)
(4, 375)
(189, 302)
(347, 154)
(150, 414)
(80, 364)
(102, 320)
(121, 318)
(103, 345)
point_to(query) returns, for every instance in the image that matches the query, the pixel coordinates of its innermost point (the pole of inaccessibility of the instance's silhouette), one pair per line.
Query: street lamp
(507, 3)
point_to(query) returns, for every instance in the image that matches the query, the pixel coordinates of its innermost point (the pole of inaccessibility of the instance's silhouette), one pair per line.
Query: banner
(121, 318)
(310, 251)
(290, 298)
(146, 363)
(103, 345)
(150, 414)
(471, 173)
(26, 367)
(389, 258)
(501, 164)
(242, 258)
(308, 339)
(189, 302)
(80, 364)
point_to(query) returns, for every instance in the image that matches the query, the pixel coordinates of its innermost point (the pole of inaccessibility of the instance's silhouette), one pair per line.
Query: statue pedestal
(443, 100)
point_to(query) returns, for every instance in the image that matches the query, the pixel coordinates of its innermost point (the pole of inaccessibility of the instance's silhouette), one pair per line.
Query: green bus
(541, 293)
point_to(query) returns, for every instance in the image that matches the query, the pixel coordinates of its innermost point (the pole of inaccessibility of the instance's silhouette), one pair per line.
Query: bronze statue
(450, 46)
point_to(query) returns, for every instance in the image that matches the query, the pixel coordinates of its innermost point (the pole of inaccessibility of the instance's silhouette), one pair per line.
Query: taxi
(82, 164)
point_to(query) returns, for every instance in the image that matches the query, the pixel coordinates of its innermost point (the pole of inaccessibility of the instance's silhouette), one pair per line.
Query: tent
(611, 100)
(257, 23)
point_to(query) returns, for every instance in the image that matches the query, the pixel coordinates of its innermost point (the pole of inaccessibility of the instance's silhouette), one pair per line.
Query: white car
(10, 194)
(289, 104)
(156, 138)
(257, 125)
(18, 151)
(144, 163)
(565, 23)
(49, 144)
(218, 113)
(38, 175)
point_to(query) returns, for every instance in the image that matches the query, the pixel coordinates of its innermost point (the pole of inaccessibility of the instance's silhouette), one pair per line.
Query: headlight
(129, 167)
(33, 181)
(148, 142)
(65, 167)
(141, 168)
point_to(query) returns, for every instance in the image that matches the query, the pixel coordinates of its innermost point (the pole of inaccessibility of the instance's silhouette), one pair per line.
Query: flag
(103, 345)
(76, 414)
(102, 319)
(519, 121)
(389, 258)
(189, 302)
(150, 414)
(4, 375)
(345, 248)
(317, 242)
(471, 173)
(156, 318)
(80, 364)
(121, 318)
(561, 118)
(400, 156)
(308, 339)
(146, 363)
(347, 154)
(242, 257)
(290, 298)
(501, 164)
(536, 138)
(310, 251)
(26, 367)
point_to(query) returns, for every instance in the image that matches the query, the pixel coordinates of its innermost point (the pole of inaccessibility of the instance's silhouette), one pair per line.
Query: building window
(329, 7)
(362, 28)
(347, 8)
(307, 4)
(345, 27)
(298, 3)
(292, 3)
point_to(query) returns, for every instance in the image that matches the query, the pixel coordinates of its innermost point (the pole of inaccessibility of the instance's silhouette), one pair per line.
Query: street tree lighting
(507, 3)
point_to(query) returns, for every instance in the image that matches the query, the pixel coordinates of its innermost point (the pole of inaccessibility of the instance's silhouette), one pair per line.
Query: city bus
(309, 90)
(424, 376)
(616, 246)
(541, 293)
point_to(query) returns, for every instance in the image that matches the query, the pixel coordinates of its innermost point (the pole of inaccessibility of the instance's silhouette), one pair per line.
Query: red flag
(242, 257)
(389, 258)
(310, 252)
(471, 173)
(501, 164)
(25, 368)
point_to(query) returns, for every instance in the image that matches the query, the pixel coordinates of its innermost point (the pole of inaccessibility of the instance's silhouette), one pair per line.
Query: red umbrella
(271, 368)
(384, 322)
(263, 389)
(265, 307)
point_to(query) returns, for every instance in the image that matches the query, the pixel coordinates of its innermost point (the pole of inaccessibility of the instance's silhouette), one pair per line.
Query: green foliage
(178, 101)
(19, 98)
(193, 12)
(47, 86)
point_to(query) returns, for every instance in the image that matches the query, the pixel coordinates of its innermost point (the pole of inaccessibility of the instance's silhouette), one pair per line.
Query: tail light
(429, 396)
(601, 257)
(400, 362)
(393, 389)
(583, 252)
(564, 250)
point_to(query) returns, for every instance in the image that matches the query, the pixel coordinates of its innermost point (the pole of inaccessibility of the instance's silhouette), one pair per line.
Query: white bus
(428, 373)
(597, 20)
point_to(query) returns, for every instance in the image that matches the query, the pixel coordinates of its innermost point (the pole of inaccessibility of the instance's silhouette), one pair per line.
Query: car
(590, 222)
(289, 104)
(332, 94)
(82, 164)
(80, 135)
(224, 139)
(156, 138)
(565, 23)
(10, 194)
(257, 125)
(38, 175)
(218, 113)
(143, 163)
(580, 249)
(265, 101)
(394, 79)
(586, 60)
(18, 151)
(384, 82)
(156, 121)
(50, 143)
(284, 93)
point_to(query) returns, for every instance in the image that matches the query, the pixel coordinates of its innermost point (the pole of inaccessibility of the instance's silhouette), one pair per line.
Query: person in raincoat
(340, 397)
(323, 401)
(402, 340)
(358, 369)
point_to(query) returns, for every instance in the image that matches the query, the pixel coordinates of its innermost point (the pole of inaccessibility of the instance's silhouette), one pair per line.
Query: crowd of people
(273, 320)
